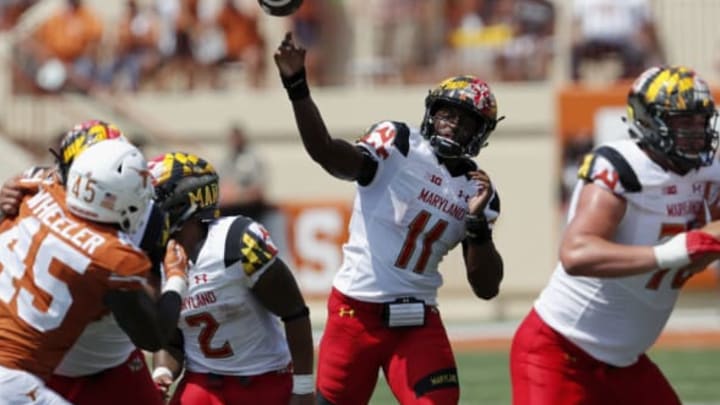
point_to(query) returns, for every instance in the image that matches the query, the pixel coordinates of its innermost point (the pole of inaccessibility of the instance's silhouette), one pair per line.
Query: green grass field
(484, 377)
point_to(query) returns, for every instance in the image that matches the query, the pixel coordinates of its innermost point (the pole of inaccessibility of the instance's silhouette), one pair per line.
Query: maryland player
(631, 242)
(103, 359)
(68, 260)
(419, 195)
(240, 291)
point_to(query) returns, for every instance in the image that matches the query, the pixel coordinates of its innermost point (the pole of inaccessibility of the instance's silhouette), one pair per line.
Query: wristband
(161, 372)
(303, 384)
(477, 229)
(303, 313)
(177, 284)
(673, 254)
(296, 85)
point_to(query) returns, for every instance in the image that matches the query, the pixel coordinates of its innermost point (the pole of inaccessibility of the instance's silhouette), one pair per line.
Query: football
(279, 8)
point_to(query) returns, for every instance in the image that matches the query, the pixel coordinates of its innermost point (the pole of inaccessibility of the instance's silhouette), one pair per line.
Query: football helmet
(672, 112)
(186, 186)
(110, 184)
(471, 95)
(80, 137)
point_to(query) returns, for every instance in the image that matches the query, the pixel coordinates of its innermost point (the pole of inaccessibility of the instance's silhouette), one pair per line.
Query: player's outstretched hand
(289, 57)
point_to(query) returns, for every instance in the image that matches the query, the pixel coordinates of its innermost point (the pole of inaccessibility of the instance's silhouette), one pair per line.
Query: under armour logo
(346, 311)
(201, 278)
(136, 364)
(32, 394)
(463, 195)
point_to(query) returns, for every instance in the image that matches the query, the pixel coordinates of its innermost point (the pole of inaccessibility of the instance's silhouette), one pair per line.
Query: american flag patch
(108, 201)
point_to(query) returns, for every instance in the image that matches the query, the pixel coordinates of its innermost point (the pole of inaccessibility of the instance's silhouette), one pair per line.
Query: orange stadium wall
(578, 117)
(314, 234)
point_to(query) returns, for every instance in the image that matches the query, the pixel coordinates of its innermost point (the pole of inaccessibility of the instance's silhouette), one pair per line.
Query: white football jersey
(617, 319)
(226, 329)
(405, 220)
(102, 345)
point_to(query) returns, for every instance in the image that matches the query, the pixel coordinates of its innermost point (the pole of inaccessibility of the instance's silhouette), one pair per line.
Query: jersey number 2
(209, 326)
(416, 227)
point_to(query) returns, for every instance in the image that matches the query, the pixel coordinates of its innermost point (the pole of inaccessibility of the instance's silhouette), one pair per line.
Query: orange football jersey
(55, 269)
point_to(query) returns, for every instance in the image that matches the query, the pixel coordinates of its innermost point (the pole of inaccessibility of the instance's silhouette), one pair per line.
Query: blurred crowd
(187, 44)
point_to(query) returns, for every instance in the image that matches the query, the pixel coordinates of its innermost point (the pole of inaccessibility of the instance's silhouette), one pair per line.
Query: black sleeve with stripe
(233, 240)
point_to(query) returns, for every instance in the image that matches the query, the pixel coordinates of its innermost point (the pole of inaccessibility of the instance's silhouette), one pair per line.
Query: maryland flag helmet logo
(81, 137)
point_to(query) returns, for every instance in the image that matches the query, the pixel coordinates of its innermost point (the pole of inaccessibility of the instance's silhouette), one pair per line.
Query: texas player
(103, 361)
(66, 260)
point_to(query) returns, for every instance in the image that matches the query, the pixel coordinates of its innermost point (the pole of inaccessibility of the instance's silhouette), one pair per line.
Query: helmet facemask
(455, 132)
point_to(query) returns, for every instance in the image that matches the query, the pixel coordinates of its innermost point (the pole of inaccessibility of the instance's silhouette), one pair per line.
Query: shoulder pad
(249, 243)
(233, 239)
(627, 176)
(385, 135)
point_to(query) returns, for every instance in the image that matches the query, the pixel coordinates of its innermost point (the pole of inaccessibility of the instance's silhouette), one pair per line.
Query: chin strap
(445, 147)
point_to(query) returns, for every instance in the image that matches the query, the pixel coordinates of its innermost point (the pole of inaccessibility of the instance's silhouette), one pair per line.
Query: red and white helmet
(472, 95)
(110, 183)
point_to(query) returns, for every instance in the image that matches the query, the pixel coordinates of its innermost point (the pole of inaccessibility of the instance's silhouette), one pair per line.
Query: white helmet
(110, 183)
